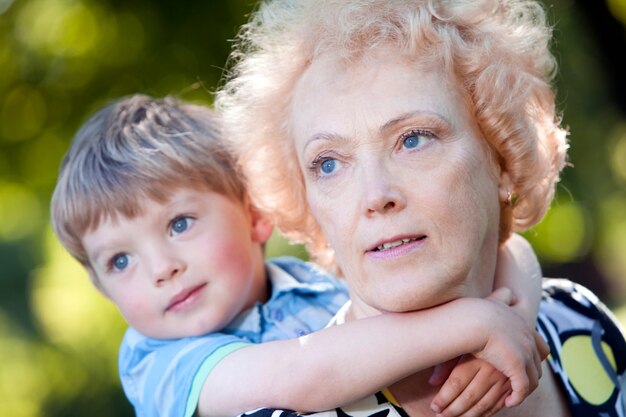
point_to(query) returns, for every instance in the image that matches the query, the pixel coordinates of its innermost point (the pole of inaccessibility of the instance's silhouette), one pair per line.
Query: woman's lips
(185, 298)
(395, 247)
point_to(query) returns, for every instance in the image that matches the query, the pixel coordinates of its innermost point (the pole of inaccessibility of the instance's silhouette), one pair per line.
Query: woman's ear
(506, 188)
(261, 226)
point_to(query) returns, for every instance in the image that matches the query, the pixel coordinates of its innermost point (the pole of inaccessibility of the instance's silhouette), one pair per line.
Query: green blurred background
(62, 59)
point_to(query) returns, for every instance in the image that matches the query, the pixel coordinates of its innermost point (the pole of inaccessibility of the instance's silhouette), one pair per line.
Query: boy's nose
(167, 268)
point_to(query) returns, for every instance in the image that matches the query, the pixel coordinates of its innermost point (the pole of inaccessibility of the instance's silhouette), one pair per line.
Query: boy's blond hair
(134, 149)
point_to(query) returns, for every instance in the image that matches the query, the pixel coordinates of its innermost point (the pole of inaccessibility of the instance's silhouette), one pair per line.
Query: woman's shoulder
(587, 347)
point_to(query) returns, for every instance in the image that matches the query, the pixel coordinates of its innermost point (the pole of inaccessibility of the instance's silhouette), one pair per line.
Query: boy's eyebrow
(97, 254)
(100, 251)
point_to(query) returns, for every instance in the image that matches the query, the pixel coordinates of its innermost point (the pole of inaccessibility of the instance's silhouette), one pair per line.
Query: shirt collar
(281, 283)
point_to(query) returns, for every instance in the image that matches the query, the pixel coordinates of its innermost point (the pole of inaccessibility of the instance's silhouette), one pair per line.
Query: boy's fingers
(523, 384)
(499, 404)
(491, 402)
(442, 372)
(481, 396)
(459, 379)
(542, 346)
(539, 355)
(503, 295)
(520, 384)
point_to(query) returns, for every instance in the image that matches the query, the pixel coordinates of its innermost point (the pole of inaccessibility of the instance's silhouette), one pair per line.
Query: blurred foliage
(62, 59)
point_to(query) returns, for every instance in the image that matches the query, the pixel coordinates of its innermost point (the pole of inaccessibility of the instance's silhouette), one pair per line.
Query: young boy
(150, 201)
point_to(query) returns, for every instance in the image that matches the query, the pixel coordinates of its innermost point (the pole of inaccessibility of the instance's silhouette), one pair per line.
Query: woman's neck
(360, 310)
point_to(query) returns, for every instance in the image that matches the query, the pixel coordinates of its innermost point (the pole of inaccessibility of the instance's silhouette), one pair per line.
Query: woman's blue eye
(328, 166)
(180, 225)
(120, 262)
(412, 141)
(323, 166)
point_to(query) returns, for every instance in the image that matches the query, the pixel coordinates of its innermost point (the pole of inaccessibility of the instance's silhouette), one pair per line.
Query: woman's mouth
(396, 243)
(396, 247)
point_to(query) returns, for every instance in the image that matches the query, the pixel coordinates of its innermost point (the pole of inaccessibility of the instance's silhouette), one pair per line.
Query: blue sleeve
(164, 377)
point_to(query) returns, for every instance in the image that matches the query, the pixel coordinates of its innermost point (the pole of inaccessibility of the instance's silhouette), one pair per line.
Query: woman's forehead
(333, 95)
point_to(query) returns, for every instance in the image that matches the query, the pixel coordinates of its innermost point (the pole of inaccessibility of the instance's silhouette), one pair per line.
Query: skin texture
(409, 162)
(389, 151)
(189, 265)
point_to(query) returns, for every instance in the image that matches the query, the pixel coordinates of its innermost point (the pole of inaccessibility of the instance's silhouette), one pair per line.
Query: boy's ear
(262, 227)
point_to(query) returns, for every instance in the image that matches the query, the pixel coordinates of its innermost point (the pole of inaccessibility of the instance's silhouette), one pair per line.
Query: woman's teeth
(394, 244)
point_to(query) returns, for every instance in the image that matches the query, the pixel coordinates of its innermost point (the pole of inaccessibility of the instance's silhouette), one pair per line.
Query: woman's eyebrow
(325, 136)
(433, 116)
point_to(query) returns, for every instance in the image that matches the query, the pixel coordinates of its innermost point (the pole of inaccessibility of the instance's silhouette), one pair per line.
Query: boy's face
(181, 268)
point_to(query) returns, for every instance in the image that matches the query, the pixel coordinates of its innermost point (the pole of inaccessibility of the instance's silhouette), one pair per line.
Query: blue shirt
(164, 377)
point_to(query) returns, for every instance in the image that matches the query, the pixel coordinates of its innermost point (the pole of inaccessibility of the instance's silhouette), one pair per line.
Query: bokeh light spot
(70, 310)
(21, 384)
(618, 9)
(611, 245)
(562, 235)
(8, 63)
(20, 212)
(278, 245)
(58, 27)
(4, 5)
(127, 34)
(40, 160)
(23, 113)
(618, 156)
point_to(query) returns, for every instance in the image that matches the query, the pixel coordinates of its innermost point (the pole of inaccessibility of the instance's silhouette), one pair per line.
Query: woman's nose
(382, 192)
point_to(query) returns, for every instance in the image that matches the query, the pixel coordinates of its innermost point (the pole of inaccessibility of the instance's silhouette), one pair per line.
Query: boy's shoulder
(294, 278)
(302, 271)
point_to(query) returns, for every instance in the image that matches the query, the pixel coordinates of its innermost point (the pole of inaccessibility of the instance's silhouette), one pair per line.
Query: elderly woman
(402, 141)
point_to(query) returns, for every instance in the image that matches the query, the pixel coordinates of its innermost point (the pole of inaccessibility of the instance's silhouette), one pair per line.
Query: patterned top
(588, 357)
(164, 377)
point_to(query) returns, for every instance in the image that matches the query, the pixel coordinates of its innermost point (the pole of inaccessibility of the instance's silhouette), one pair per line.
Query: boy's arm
(519, 270)
(341, 364)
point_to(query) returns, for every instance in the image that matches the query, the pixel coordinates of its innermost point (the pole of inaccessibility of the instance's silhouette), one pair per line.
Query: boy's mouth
(185, 296)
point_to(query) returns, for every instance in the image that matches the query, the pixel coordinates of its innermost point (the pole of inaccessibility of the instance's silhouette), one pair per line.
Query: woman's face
(399, 179)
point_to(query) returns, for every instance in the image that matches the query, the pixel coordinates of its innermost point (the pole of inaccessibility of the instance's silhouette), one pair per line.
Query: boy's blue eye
(121, 261)
(328, 166)
(179, 225)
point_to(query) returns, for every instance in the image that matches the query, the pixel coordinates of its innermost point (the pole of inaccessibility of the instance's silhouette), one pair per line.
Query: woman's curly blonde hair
(497, 51)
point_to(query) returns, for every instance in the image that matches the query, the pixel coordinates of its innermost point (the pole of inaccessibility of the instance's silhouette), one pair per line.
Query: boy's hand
(508, 372)
(474, 388)
(512, 347)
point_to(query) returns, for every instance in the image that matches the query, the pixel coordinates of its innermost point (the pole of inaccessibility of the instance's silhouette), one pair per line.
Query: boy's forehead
(137, 204)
